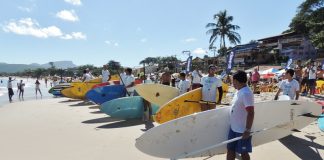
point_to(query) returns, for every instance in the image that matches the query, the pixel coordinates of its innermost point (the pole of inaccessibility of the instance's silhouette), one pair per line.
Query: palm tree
(223, 28)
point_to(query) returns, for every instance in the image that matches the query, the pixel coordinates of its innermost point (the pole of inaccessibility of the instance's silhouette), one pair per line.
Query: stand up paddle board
(157, 93)
(126, 107)
(180, 137)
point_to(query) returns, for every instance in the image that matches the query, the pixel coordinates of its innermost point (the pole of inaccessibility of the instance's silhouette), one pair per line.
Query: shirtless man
(166, 77)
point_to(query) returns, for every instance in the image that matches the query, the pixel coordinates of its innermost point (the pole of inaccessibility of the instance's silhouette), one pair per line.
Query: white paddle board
(202, 130)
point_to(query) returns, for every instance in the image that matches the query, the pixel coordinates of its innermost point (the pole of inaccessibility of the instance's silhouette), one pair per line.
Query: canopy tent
(279, 73)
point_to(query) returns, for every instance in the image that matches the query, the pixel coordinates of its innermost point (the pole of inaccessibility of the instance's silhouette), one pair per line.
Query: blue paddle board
(106, 93)
(57, 92)
(321, 122)
(126, 107)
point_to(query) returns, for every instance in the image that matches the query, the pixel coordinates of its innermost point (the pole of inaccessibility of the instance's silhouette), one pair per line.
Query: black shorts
(10, 91)
(304, 81)
(312, 82)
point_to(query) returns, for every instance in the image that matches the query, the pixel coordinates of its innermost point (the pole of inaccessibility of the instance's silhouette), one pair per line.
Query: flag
(189, 61)
(289, 63)
(230, 61)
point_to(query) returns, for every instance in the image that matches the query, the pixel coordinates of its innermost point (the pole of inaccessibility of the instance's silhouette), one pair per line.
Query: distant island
(12, 68)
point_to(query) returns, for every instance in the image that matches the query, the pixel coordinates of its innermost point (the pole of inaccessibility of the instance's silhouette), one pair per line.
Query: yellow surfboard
(115, 77)
(67, 93)
(180, 106)
(79, 89)
(157, 93)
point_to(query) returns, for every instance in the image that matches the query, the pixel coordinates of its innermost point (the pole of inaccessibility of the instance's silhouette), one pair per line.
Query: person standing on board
(255, 79)
(37, 88)
(184, 84)
(210, 84)
(105, 74)
(196, 77)
(128, 80)
(10, 90)
(166, 77)
(289, 86)
(241, 118)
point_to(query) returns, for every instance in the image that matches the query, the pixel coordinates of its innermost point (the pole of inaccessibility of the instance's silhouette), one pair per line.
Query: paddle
(205, 102)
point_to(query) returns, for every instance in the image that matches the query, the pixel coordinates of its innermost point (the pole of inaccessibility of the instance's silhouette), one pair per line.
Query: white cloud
(200, 51)
(30, 27)
(67, 15)
(188, 40)
(25, 9)
(74, 2)
(143, 40)
(75, 35)
(114, 43)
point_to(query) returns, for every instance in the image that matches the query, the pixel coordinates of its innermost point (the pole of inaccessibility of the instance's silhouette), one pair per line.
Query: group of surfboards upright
(206, 92)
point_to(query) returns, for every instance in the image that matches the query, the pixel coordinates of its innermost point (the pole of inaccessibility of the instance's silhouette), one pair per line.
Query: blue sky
(96, 31)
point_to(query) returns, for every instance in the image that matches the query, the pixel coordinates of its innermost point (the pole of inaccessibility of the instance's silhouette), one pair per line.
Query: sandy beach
(65, 129)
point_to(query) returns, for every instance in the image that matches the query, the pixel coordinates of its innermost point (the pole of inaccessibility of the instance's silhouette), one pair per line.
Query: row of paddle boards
(184, 134)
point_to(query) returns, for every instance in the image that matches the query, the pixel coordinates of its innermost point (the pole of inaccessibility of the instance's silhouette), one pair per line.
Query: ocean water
(29, 93)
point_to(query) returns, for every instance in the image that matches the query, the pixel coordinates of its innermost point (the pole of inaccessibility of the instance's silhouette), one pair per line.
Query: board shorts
(304, 81)
(240, 146)
(166, 83)
(196, 85)
(311, 83)
(10, 91)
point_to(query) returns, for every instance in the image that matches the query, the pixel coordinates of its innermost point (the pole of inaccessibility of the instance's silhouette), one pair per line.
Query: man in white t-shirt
(87, 76)
(210, 84)
(105, 74)
(129, 81)
(184, 84)
(312, 78)
(10, 90)
(241, 118)
(289, 86)
(196, 78)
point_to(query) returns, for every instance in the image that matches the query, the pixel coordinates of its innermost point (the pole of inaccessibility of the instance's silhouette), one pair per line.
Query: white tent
(269, 71)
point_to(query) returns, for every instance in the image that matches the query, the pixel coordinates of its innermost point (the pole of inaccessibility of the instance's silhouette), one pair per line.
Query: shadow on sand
(101, 120)
(121, 124)
(96, 112)
(83, 103)
(303, 148)
(94, 107)
(71, 100)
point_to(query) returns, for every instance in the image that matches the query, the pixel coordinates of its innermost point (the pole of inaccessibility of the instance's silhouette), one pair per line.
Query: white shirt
(311, 74)
(128, 79)
(55, 83)
(242, 99)
(87, 77)
(22, 86)
(195, 76)
(289, 88)
(105, 75)
(210, 85)
(9, 84)
(183, 86)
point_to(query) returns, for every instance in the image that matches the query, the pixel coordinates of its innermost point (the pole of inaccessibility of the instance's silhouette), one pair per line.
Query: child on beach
(128, 80)
(289, 86)
(37, 88)
(10, 90)
(184, 84)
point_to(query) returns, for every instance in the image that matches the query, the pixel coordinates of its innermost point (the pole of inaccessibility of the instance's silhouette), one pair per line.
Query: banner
(230, 61)
(189, 61)
(289, 63)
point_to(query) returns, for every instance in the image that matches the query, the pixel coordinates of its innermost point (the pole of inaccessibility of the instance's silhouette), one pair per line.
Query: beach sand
(64, 129)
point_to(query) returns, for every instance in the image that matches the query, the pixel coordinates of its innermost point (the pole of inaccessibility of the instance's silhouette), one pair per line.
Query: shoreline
(61, 128)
